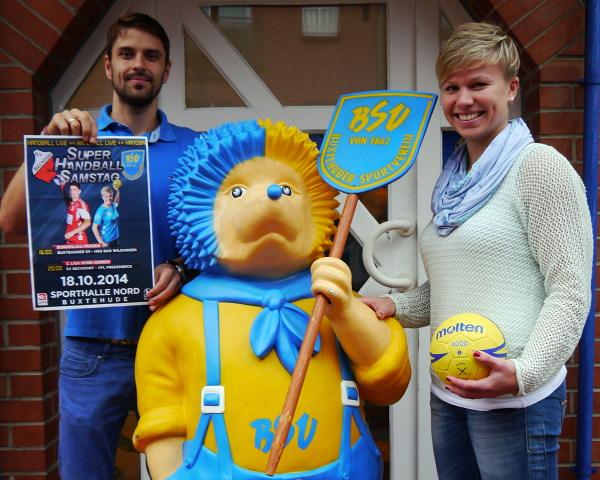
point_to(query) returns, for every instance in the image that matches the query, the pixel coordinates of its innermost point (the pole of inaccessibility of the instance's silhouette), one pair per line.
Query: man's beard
(136, 101)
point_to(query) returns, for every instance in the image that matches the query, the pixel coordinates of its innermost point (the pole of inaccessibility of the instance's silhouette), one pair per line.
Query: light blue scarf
(458, 195)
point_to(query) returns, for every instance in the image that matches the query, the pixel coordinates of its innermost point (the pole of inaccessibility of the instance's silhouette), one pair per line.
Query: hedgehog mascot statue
(249, 210)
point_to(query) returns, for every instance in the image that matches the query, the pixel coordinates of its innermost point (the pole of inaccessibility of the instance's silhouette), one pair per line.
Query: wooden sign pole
(385, 127)
(310, 337)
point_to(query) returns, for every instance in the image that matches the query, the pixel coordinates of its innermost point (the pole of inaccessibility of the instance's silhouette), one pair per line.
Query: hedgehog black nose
(274, 192)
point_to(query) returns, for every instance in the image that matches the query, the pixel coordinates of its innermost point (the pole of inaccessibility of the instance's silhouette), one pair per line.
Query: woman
(106, 219)
(511, 240)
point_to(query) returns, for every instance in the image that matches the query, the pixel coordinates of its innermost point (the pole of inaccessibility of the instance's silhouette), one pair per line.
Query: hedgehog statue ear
(196, 181)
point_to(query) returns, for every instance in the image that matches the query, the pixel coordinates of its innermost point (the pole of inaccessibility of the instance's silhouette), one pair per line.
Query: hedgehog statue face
(247, 198)
(262, 218)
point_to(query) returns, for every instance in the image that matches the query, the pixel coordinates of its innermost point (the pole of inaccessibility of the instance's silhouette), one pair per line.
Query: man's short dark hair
(142, 22)
(67, 191)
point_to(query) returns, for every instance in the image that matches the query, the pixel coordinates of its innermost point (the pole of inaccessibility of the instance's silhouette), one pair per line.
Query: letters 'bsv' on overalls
(360, 461)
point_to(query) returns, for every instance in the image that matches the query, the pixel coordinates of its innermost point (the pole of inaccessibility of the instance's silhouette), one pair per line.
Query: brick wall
(38, 38)
(551, 34)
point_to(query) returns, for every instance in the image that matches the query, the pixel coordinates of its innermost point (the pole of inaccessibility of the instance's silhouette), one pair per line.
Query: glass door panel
(309, 55)
(205, 87)
(94, 91)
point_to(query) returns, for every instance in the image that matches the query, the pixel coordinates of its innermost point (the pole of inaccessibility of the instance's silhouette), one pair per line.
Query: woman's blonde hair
(475, 44)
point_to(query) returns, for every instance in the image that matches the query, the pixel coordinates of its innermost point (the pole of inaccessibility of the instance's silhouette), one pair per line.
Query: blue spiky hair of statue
(204, 166)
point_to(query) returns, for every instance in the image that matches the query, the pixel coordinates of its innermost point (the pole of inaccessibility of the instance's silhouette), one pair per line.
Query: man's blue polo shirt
(166, 144)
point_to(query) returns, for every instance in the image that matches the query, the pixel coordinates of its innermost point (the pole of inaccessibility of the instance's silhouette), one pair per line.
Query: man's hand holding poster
(88, 210)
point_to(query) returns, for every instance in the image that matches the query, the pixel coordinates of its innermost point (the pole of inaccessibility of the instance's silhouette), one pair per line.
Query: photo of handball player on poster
(78, 218)
(106, 218)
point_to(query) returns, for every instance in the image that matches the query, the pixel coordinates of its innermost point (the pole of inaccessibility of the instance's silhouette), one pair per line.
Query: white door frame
(413, 43)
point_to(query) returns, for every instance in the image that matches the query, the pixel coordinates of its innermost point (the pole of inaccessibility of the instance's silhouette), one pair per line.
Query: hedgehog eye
(286, 190)
(237, 192)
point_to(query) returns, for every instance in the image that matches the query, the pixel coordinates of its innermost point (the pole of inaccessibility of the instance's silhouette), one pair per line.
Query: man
(96, 386)
(78, 216)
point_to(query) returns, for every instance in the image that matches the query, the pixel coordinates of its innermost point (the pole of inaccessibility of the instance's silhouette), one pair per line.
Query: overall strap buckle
(212, 399)
(350, 395)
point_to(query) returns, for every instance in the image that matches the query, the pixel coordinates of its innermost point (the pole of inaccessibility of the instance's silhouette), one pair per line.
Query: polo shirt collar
(163, 132)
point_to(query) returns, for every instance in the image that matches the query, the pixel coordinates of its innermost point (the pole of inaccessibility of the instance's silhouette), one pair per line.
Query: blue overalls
(361, 461)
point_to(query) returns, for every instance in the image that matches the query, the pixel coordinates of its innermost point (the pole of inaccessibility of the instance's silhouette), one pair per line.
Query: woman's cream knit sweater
(523, 260)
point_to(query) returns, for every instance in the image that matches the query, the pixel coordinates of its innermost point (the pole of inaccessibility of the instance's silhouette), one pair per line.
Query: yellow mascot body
(250, 211)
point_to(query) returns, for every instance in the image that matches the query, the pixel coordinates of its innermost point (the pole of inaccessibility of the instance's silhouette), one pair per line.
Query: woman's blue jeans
(515, 444)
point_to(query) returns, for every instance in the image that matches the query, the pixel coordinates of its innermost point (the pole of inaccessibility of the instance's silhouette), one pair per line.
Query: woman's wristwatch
(179, 268)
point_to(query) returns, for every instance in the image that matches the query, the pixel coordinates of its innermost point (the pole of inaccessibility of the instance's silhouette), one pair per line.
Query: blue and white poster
(88, 211)
(373, 138)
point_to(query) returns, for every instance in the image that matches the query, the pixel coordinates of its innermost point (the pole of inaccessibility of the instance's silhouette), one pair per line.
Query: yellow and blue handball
(454, 341)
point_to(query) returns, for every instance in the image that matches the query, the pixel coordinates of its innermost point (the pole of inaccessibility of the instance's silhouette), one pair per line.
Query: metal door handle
(404, 281)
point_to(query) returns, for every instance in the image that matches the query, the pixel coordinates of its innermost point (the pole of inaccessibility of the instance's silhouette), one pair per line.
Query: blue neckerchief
(458, 195)
(280, 325)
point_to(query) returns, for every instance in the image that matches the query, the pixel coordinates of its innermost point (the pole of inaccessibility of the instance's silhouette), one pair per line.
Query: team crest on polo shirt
(132, 162)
